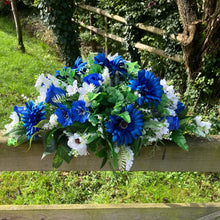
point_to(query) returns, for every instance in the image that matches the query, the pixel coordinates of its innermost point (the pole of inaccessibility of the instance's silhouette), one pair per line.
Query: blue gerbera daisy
(148, 86)
(31, 116)
(79, 111)
(122, 131)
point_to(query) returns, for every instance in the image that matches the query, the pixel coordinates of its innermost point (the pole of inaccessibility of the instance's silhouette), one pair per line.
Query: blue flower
(31, 116)
(180, 107)
(18, 110)
(148, 86)
(122, 131)
(79, 111)
(58, 72)
(117, 64)
(173, 123)
(54, 94)
(101, 60)
(79, 65)
(94, 78)
(64, 116)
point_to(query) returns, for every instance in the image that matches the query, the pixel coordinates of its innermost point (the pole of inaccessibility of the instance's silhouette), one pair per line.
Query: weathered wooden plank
(206, 211)
(140, 46)
(141, 26)
(203, 155)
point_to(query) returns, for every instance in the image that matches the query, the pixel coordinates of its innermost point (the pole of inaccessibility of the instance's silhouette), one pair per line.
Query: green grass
(19, 71)
(18, 74)
(103, 187)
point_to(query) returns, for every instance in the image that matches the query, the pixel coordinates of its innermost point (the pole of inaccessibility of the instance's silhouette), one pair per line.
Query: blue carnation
(148, 86)
(54, 94)
(64, 115)
(122, 131)
(31, 116)
(102, 60)
(180, 107)
(79, 111)
(117, 64)
(94, 78)
(173, 123)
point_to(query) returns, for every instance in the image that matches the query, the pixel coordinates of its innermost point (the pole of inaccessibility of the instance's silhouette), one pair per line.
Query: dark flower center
(77, 141)
(81, 111)
(123, 124)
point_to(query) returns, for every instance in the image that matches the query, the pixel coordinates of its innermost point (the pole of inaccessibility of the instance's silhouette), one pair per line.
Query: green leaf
(179, 139)
(136, 146)
(12, 141)
(131, 97)
(153, 124)
(101, 153)
(132, 67)
(184, 121)
(61, 154)
(92, 96)
(41, 123)
(50, 148)
(18, 130)
(57, 160)
(93, 119)
(105, 159)
(21, 139)
(125, 115)
(91, 138)
(95, 68)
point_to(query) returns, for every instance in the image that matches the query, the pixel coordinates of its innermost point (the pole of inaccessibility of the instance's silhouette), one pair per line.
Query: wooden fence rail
(203, 156)
(142, 26)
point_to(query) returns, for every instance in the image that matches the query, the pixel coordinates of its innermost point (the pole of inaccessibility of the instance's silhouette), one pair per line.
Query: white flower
(205, 126)
(160, 132)
(42, 81)
(106, 76)
(71, 90)
(52, 122)
(170, 93)
(15, 120)
(83, 91)
(78, 144)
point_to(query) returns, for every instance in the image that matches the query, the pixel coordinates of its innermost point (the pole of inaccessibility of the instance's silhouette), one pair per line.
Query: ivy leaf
(93, 119)
(132, 67)
(179, 139)
(131, 97)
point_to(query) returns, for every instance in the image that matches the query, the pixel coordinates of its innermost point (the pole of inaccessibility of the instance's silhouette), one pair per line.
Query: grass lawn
(18, 74)
(19, 71)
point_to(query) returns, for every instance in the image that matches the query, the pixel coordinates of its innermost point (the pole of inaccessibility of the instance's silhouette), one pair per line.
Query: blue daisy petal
(148, 87)
(31, 116)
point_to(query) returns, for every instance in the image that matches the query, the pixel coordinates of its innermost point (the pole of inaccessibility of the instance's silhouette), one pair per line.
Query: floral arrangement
(105, 105)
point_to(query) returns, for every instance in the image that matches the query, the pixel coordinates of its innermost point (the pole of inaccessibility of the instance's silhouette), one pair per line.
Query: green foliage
(60, 15)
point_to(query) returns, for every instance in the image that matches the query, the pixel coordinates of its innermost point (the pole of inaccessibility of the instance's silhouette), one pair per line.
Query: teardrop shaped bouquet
(107, 106)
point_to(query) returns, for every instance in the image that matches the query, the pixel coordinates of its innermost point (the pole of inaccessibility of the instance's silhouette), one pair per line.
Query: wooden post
(106, 38)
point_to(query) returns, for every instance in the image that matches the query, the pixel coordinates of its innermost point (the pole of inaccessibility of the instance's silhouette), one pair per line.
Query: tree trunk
(200, 36)
(17, 25)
